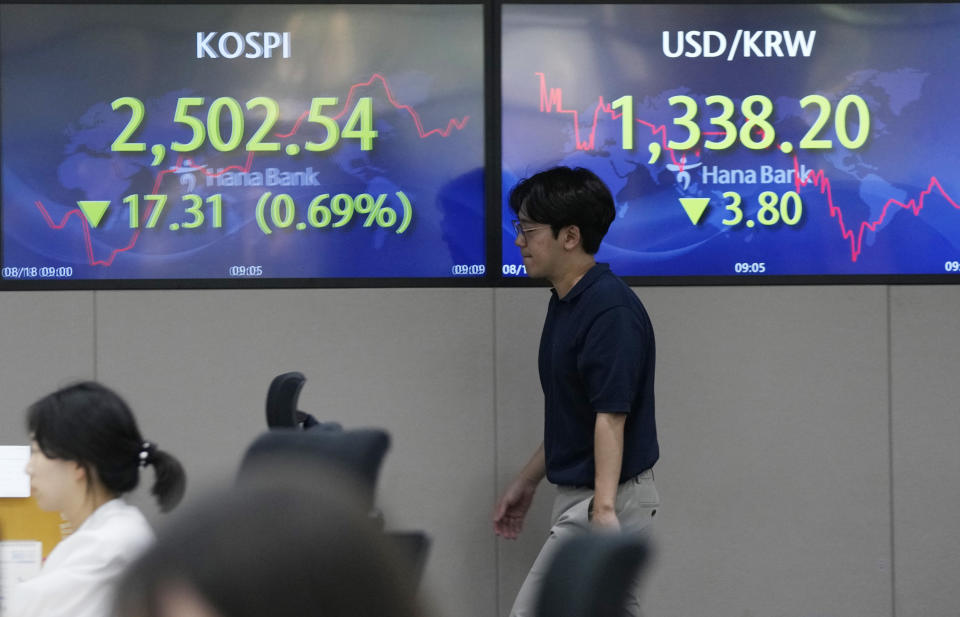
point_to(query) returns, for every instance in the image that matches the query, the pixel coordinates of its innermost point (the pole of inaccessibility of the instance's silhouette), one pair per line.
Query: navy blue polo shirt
(597, 354)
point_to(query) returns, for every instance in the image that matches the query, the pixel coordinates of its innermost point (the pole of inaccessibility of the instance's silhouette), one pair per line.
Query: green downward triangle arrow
(694, 207)
(94, 210)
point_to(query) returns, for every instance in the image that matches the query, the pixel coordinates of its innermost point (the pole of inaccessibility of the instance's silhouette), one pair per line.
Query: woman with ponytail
(86, 452)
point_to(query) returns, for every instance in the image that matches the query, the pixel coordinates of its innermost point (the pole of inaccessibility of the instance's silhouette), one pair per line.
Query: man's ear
(571, 237)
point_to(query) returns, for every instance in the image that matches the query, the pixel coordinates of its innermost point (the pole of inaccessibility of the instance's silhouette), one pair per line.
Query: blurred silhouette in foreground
(272, 545)
(594, 575)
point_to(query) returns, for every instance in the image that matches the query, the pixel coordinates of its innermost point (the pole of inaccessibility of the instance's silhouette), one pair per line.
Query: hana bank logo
(682, 171)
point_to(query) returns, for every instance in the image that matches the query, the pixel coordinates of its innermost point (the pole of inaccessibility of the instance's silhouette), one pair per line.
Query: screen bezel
(490, 158)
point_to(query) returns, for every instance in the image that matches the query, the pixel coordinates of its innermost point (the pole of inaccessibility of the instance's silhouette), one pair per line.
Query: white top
(78, 577)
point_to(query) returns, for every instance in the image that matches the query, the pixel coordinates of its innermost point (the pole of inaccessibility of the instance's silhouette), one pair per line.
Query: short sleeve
(612, 360)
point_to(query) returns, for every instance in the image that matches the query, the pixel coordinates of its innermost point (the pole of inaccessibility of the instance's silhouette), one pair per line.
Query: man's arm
(512, 507)
(607, 459)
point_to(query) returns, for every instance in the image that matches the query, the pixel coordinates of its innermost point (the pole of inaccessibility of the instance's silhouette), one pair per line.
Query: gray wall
(809, 434)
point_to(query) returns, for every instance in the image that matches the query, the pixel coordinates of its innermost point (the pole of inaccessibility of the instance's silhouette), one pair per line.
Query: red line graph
(454, 123)
(819, 179)
(551, 101)
(88, 242)
(63, 223)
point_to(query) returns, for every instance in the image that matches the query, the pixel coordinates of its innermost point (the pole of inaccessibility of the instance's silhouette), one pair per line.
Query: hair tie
(146, 453)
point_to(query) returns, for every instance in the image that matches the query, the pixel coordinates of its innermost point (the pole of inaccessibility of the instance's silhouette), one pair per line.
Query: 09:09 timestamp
(468, 269)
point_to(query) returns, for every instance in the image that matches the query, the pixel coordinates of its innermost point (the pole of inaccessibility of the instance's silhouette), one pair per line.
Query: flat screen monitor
(756, 142)
(237, 142)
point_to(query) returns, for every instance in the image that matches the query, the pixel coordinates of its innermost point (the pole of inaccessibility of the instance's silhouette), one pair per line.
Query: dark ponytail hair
(90, 424)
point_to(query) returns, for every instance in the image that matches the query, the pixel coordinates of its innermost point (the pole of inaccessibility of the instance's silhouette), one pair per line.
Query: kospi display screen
(746, 140)
(236, 141)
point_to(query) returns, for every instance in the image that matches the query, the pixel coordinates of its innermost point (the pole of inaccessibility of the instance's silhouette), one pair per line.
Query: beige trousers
(636, 504)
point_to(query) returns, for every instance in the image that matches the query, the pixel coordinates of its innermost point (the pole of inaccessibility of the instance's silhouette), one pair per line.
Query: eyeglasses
(523, 229)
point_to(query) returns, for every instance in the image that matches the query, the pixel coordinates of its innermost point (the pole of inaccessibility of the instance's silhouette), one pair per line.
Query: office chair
(413, 548)
(282, 399)
(358, 453)
(591, 575)
(302, 442)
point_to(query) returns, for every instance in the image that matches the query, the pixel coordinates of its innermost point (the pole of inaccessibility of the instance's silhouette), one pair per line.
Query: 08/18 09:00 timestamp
(33, 272)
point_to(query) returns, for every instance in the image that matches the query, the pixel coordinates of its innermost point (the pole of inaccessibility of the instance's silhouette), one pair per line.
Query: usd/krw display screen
(242, 141)
(746, 139)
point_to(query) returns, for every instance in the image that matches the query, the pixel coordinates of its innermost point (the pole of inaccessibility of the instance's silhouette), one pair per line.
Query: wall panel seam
(496, 453)
(893, 546)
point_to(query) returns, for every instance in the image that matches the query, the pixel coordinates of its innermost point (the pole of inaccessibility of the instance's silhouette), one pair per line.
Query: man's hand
(512, 508)
(604, 520)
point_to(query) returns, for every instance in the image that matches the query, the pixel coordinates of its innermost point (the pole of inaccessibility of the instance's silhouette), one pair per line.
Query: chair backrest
(591, 576)
(356, 452)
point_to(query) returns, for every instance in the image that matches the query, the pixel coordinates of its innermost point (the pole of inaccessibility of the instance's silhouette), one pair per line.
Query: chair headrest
(282, 397)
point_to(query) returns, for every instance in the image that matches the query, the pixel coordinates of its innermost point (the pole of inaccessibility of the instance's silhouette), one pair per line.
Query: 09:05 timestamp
(750, 267)
(247, 271)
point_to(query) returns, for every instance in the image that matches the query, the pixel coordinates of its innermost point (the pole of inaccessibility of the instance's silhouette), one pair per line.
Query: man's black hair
(562, 196)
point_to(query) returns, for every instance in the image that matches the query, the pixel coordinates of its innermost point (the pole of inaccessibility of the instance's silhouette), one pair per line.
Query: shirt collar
(595, 272)
(102, 512)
